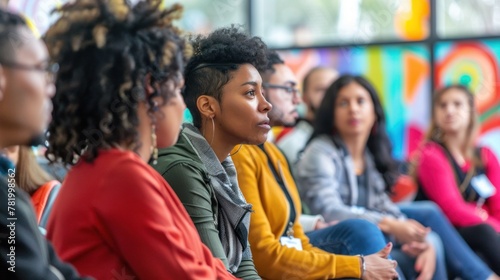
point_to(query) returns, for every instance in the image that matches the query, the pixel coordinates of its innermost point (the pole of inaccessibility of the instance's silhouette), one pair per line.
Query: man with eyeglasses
(281, 91)
(26, 86)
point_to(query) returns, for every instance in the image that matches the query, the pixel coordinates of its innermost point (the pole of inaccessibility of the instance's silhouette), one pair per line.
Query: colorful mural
(475, 64)
(399, 73)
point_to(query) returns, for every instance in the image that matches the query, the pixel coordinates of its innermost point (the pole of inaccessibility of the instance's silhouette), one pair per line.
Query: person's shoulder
(322, 144)
(127, 167)
(431, 149)
(487, 151)
(270, 146)
(487, 154)
(181, 152)
(246, 150)
(430, 155)
(272, 149)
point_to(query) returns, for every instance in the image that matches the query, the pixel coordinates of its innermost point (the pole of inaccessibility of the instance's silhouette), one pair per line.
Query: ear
(207, 105)
(150, 90)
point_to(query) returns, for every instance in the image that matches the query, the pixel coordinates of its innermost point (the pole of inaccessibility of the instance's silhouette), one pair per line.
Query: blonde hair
(29, 174)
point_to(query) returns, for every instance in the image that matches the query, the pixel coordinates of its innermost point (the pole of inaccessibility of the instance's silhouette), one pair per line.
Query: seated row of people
(118, 106)
(470, 204)
(117, 101)
(347, 167)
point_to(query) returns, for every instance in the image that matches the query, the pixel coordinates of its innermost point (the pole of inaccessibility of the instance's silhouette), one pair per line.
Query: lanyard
(281, 182)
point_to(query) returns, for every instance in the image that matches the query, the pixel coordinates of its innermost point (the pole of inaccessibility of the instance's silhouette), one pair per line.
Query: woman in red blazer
(119, 85)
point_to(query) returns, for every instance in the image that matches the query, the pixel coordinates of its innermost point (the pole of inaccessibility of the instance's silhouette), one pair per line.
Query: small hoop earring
(213, 131)
(236, 151)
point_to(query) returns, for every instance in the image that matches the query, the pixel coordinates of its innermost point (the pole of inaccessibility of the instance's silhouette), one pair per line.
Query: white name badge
(291, 242)
(483, 186)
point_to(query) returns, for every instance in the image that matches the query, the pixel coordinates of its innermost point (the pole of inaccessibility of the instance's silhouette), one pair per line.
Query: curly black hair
(105, 49)
(214, 58)
(9, 34)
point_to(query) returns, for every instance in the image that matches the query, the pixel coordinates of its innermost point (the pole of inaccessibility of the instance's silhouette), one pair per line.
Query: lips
(265, 124)
(353, 122)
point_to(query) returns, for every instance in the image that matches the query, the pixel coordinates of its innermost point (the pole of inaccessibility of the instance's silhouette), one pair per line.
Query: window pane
(285, 23)
(459, 18)
(202, 16)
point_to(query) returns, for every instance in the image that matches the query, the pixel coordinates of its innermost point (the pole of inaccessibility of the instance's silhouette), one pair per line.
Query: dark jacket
(32, 255)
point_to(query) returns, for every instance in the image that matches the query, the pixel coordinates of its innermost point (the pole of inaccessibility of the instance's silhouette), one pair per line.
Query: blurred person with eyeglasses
(314, 85)
(26, 86)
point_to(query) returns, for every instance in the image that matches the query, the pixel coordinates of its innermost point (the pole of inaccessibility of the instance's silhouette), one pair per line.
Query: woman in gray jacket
(347, 169)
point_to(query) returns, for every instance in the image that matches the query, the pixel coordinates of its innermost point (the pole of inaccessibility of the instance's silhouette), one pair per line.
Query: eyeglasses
(290, 90)
(50, 70)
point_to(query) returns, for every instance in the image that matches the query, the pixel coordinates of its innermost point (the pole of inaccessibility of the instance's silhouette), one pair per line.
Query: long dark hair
(378, 142)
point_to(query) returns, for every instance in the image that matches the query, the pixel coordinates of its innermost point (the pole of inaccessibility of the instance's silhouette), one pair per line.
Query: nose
(51, 89)
(448, 109)
(353, 107)
(264, 105)
(296, 98)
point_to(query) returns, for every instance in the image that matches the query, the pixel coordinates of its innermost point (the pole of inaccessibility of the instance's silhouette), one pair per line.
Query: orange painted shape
(416, 70)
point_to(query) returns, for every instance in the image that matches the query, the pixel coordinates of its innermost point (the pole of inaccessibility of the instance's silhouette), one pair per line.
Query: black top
(34, 258)
(362, 189)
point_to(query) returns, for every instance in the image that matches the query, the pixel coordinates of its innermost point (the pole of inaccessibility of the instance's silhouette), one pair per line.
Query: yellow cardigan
(268, 222)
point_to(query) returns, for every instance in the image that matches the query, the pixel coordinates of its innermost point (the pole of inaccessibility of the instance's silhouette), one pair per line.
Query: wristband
(362, 266)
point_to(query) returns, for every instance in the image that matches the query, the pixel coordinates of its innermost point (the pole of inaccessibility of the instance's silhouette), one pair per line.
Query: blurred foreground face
(26, 88)
(354, 111)
(172, 114)
(452, 111)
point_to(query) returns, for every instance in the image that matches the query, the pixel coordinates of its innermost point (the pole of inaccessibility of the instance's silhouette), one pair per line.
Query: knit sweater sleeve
(437, 180)
(273, 260)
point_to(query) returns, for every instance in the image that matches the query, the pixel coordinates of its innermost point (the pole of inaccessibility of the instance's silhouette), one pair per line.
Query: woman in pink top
(461, 178)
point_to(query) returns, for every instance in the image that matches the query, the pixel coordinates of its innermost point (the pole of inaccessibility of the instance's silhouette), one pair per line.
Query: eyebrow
(252, 83)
